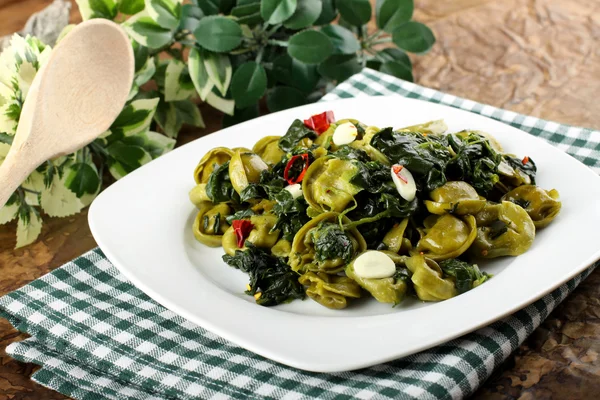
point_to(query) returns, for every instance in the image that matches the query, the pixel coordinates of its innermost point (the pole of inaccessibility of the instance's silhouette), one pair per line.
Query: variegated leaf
(29, 227)
(135, 117)
(89, 9)
(225, 105)
(218, 67)
(144, 30)
(178, 85)
(199, 75)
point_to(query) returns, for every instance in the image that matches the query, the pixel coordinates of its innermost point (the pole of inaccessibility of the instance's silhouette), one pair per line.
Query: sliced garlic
(295, 190)
(344, 134)
(374, 264)
(404, 181)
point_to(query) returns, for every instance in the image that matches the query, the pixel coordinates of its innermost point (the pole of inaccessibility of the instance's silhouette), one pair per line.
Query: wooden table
(537, 57)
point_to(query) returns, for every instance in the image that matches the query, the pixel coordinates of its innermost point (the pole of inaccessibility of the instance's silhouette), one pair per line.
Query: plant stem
(381, 41)
(28, 190)
(99, 150)
(273, 29)
(280, 43)
(259, 56)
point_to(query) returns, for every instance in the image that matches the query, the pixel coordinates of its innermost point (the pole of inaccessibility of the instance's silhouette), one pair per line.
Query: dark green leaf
(251, 20)
(305, 15)
(243, 11)
(292, 72)
(529, 169)
(356, 12)
(466, 276)
(295, 133)
(331, 242)
(394, 54)
(129, 156)
(268, 274)
(397, 69)
(218, 34)
(190, 17)
(340, 67)
(102, 9)
(6, 138)
(131, 7)
(209, 7)
(290, 212)
(248, 84)
(310, 47)
(413, 37)
(82, 179)
(344, 41)
(246, 2)
(277, 11)
(374, 64)
(140, 54)
(328, 13)
(393, 13)
(284, 97)
(240, 115)
(219, 188)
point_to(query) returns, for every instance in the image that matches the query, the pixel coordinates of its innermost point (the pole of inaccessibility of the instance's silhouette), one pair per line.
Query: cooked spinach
(475, 162)
(425, 156)
(497, 228)
(529, 168)
(331, 242)
(295, 133)
(242, 214)
(290, 212)
(269, 275)
(219, 188)
(466, 276)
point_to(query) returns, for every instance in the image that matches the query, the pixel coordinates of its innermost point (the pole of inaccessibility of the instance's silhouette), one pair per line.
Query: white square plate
(143, 225)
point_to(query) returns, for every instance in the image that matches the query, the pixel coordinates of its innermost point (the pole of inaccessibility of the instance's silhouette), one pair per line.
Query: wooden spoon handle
(12, 174)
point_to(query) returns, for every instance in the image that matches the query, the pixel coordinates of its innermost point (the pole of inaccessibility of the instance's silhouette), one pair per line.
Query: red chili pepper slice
(397, 169)
(525, 160)
(320, 122)
(286, 171)
(242, 228)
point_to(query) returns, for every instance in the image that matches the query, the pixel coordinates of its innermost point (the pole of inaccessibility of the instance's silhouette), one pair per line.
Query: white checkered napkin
(97, 336)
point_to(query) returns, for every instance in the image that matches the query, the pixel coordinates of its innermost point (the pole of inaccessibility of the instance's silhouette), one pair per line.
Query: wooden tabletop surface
(537, 57)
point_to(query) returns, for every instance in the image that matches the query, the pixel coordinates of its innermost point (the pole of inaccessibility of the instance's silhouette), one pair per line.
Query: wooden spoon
(74, 98)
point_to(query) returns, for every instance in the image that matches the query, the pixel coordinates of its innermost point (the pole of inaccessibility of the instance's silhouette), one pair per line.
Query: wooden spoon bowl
(74, 98)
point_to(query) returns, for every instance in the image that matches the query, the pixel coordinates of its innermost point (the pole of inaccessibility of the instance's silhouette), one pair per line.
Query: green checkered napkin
(97, 336)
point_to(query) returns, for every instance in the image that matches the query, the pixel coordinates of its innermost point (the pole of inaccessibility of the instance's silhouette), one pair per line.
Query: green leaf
(58, 201)
(284, 97)
(246, 2)
(146, 73)
(6, 138)
(240, 115)
(140, 55)
(130, 157)
(171, 116)
(29, 226)
(209, 7)
(178, 84)
(277, 11)
(82, 178)
(218, 34)
(190, 17)
(399, 69)
(310, 47)
(135, 117)
(245, 10)
(294, 73)
(157, 144)
(219, 70)
(248, 14)
(225, 6)
(393, 13)
(394, 54)
(328, 13)
(413, 37)
(356, 12)
(199, 75)
(248, 84)
(130, 7)
(344, 41)
(189, 113)
(305, 15)
(9, 212)
(89, 9)
(340, 67)
(147, 32)
(225, 105)
(166, 13)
